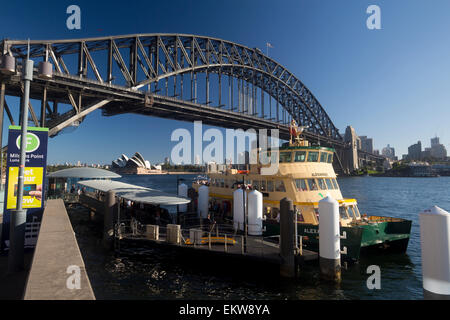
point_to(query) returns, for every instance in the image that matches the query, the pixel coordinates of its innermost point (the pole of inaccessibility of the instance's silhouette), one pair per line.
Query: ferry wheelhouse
(306, 175)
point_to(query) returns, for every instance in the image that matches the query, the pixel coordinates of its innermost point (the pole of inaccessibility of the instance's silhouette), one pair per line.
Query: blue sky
(390, 84)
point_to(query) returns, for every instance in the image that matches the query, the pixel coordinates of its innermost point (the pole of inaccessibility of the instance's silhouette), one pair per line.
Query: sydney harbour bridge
(175, 76)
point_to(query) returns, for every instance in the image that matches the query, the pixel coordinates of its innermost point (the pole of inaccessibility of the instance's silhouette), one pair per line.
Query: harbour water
(157, 274)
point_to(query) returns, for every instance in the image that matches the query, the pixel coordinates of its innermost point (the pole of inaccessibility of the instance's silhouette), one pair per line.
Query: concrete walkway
(57, 260)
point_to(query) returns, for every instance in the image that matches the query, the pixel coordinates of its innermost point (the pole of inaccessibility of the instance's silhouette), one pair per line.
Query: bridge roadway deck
(56, 250)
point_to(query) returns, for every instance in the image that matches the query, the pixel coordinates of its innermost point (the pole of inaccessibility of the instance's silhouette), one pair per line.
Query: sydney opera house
(134, 165)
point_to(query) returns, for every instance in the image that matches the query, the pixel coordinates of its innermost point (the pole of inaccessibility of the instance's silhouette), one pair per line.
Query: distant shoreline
(164, 173)
(183, 172)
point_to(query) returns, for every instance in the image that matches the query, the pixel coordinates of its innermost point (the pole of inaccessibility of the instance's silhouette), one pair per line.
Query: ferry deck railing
(218, 238)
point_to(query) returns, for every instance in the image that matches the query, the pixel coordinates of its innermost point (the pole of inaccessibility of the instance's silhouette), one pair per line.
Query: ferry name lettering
(320, 174)
(316, 231)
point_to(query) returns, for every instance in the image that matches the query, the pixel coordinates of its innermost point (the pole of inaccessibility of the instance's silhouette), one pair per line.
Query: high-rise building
(434, 141)
(388, 152)
(197, 160)
(437, 150)
(366, 144)
(415, 151)
(426, 153)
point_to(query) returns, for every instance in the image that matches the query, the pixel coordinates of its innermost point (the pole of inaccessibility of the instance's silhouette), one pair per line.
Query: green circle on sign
(32, 143)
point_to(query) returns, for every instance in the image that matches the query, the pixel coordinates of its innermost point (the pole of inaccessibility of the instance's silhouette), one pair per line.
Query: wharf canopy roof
(84, 172)
(135, 193)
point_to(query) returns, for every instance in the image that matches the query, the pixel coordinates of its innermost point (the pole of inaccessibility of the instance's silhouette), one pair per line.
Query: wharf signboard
(34, 181)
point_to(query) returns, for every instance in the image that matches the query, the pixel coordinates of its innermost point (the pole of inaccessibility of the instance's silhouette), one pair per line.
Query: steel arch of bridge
(146, 60)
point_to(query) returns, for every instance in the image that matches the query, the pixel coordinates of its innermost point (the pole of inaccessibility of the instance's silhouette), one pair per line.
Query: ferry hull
(386, 235)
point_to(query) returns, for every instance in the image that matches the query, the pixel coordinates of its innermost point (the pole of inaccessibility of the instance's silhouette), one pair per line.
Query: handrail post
(300, 249)
(226, 242)
(209, 240)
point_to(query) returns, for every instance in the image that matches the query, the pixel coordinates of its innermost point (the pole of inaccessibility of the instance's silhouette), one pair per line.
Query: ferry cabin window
(323, 156)
(330, 158)
(222, 183)
(269, 157)
(312, 184)
(329, 184)
(357, 211)
(255, 185)
(300, 156)
(336, 186)
(322, 185)
(270, 186)
(285, 157)
(353, 212)
(313, 156)
(279, 186)
(301, 185)
(343, 212)
(263, 186)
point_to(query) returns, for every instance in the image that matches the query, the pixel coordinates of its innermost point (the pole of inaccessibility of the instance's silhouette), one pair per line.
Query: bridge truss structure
(147, 63)
(176, 76)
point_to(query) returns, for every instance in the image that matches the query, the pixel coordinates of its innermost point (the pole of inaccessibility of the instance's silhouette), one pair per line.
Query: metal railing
(218, 238)
(65, 196)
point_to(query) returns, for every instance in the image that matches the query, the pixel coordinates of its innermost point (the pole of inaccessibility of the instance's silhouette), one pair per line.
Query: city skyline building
(434, 141)
(366, 144)
(415, 151)
(435, 151)
(389, 152)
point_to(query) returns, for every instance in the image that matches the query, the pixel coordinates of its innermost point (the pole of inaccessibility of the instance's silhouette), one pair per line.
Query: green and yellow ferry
(305, 175)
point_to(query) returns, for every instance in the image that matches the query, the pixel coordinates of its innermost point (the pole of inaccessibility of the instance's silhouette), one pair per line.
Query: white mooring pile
(255, 213)
(329, 239)
(182, 192)
(239, 205)
(435, 246)
(203, 201)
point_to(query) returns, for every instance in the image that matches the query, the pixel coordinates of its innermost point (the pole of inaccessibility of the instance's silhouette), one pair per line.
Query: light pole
(178, 206)
(244, 193)
(244, 188)
(2, 105)
(19, 216)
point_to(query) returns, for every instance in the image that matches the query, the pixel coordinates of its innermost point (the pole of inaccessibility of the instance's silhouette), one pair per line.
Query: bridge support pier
(350, 161)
